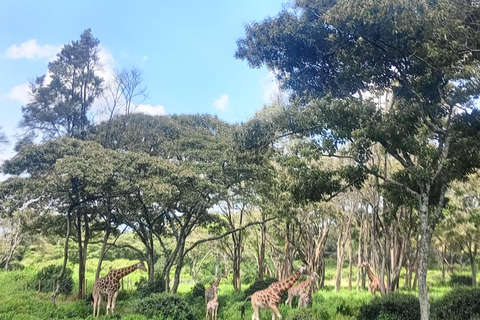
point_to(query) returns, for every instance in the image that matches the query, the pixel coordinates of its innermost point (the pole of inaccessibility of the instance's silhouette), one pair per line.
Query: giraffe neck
(288, 283)
(120, 273)
(217, 282)
(370, 274)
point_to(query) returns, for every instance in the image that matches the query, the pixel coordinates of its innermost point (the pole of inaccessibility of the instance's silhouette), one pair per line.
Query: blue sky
(185, 49)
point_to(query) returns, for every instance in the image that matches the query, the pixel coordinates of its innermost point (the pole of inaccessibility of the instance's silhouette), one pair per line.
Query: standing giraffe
(299, 289)
(212, 306)
(109, 286)
(271, 297)
(374, 283)
(211, 291)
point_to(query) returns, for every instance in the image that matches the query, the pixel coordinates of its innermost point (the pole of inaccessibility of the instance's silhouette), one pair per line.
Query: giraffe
(299, 289)
(306, 299)
(374, 283)
(212, 305)
(270, 298)
(109, 286)
(211, 291)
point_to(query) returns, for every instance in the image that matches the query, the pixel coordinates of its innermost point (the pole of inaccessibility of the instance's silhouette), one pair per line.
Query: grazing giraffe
(211, 291)
(306, 299)
(271, 297)
(109, 286)
(299, 289)
(212, 306)
(374, 283)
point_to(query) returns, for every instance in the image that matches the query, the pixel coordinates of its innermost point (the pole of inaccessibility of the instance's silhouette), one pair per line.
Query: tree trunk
(59, 278)
(350, 261)
(426, 236)
(81, 264)
(340, 255)
(473, 256)
(261, 251)
(179, 266)
(103, 251)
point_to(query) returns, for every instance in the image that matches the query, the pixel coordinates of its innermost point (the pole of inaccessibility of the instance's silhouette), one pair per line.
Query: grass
(18, 304)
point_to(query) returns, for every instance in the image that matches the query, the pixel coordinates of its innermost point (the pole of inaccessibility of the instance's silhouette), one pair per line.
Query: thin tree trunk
(59, 278)
(473, 256)
(261, 254)
(350, 261)
(426, 235)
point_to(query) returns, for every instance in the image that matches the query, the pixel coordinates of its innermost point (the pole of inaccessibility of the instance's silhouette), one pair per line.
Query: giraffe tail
(243, 307)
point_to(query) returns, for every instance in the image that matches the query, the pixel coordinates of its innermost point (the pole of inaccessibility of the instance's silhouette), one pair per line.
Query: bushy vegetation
(146, 288)
(396, 306)
(460, 303)
(164, 305)
(460, 280)
(46, 277)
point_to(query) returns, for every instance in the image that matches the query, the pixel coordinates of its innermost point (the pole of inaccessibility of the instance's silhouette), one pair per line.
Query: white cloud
(221, 103)
(20, 93)
(271, 91)
(157, 110)
(31, 50)
(107, 64)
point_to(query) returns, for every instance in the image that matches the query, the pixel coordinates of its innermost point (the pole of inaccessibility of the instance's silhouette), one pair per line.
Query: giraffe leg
(94, 304)
(109, 302)
(275, 312)
(289, 300)
(255, 315)
(97, 301)
(114, 300)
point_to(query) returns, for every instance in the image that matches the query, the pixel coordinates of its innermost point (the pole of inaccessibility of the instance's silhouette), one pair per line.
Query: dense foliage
(166, 306)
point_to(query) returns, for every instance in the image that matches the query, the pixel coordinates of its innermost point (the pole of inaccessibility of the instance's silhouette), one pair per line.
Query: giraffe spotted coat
(271, 297)
(109, 286)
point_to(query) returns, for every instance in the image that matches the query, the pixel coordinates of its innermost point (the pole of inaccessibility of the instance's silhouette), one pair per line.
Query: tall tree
(62, 98)
(424, 54)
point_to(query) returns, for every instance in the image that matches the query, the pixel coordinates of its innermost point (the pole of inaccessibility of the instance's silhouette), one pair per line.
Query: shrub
(146, 288)
(47, 277)
(198, 291)
(460, 280)
(166, 306)
(459, 303)
(395, 306)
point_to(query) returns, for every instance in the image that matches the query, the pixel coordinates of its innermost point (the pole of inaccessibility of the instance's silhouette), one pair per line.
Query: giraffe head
(141, 266)
(314, 276)
(364, 264)
(302, 270)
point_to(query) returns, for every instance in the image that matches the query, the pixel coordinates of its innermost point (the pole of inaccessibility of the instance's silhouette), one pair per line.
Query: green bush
(460, 303)
(47, 277)
(198, 291)
(460, 280)
(166, 306)
(146, 288)
(395, 306)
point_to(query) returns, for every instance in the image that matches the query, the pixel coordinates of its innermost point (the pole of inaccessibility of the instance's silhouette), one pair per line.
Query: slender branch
(226, 234)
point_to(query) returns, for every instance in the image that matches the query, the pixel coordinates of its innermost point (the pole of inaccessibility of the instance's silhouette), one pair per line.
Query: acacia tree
(424, 54)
